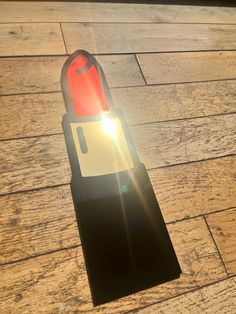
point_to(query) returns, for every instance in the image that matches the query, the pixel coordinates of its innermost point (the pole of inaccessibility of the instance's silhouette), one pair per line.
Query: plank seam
(169, 222)
(200, 215)
(130, 124)
(120, 23)
(149, 169)
(119, 87)
(127, 86)
(213, 239)
(79, 245)
(120, 53)
(63, 38)
(148, 305)
(39, 255)
(140, 69)
(183, 293)
(194, 161)
(176, 83)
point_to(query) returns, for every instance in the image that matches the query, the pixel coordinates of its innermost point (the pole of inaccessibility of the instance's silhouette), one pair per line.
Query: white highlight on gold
(109, 126)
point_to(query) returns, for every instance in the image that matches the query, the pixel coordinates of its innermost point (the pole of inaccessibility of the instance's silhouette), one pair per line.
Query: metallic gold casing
(107, 150)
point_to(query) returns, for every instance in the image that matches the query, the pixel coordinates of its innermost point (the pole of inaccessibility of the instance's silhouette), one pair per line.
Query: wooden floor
(172, 69)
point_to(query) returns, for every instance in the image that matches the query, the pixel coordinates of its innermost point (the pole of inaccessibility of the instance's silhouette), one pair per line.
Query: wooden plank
(39, 162)
(36, 222)
(33, 163)
(147, 104)
(175, 142)
(41, 114)
(30, 74)
(188, 67)
(107, 12)
(36, 114)
(216, 298)
(189, 190)
(31, 39)
(57, 282)
(113, 12)
(114, 38)
(42, 74)
(223, 228)
(41, 221)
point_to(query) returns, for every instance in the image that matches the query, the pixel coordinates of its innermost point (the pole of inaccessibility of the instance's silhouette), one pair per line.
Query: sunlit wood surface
(172, 69)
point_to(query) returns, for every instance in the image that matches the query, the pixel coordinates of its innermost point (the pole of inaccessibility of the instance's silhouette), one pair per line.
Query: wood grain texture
(42, 74)
(41, 114)
(216, 298)
(36, 114)
(99, 38)
(188, 67)
(42, 221)
(30, 74)
(33, 163)
(175, 142)
(31, 39)
(36, 222)
(112, 12)
(39, 162)
(223, 228)
(146, 104)
(41, 261)
(189, 190)
(57, 282)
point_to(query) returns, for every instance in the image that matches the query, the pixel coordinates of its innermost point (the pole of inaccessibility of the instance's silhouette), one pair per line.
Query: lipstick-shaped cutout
(125, 242)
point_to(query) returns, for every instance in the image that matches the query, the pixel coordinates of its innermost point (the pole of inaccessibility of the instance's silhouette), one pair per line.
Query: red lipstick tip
(80, 62)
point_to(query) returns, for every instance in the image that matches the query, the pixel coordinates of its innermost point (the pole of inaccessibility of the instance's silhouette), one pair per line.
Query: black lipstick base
(125, 241)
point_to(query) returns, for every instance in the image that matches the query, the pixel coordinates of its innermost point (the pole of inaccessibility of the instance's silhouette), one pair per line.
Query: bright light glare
(109, 127)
